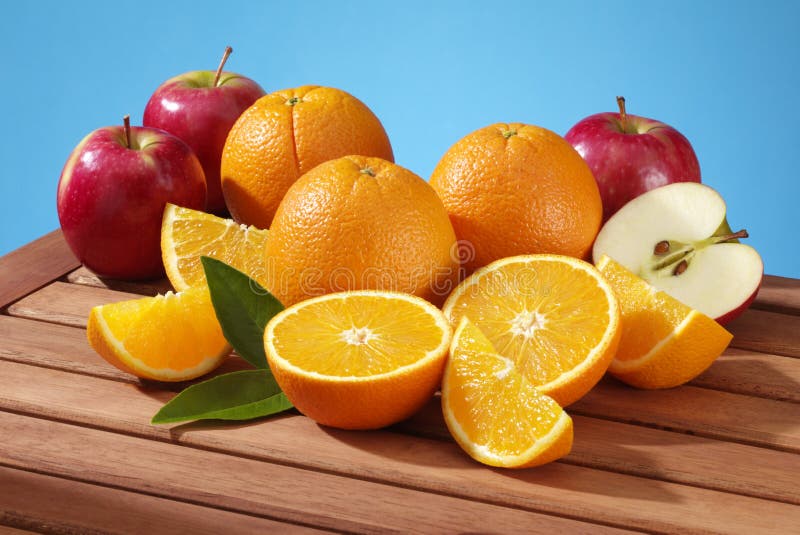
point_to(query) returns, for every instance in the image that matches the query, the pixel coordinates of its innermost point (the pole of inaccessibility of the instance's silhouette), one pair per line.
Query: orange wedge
(664, 342)
(358, 360)
(172, 337)
(554, 317)
(187, 234)
(494, 413)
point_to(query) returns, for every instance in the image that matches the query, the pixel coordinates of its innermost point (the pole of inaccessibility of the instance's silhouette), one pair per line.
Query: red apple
(677, 238)
(112, 194)
(630, 155)
(200, 107)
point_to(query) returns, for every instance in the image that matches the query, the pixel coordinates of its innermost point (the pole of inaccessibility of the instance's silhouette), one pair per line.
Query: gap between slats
(271, 490)
(47, 503)
(615, 447)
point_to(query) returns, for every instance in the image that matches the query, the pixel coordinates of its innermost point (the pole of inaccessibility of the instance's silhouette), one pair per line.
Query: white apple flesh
(677, 238)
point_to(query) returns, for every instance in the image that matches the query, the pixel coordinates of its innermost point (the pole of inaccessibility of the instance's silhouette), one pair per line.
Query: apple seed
(661, 248)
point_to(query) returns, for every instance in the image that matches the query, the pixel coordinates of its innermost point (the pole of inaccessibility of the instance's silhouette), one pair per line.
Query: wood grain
(65, 348)
(411, 461)
(779, 294)
(85, 277)
(34, 265)
(754, 374)
(65, 304)
(47, 504)
(69, 304)
(708, 413)
(767, 332)
(719, 455)
(258, 488)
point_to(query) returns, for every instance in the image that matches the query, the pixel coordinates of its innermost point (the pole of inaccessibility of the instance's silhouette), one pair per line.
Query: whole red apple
(112, 193)
(630, 155)
(200, 107)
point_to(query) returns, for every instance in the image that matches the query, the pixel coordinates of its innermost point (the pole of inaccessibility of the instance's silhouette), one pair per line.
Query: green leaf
(239, 395)
(243, 308)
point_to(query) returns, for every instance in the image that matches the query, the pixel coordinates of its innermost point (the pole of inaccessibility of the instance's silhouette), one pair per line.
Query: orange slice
(664, 342)
(494, 413)
(172, 337)
(187, 234)
(358, 360)
(554, 317)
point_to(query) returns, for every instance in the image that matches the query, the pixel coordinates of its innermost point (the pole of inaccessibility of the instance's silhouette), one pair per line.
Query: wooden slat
(722, 415)
(34, 265)
(47, 504)
(779, 294)
(767, 332)
(255, 487)
(65, 348)
(739, 371)
(69, 304)
(87, 278)
(65, 304)
(754, 374)
(659, 454)
(8, 530)
(62, 301)
(440, 467)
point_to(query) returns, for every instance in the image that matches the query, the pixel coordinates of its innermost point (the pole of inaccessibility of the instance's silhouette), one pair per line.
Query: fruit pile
(476, 284)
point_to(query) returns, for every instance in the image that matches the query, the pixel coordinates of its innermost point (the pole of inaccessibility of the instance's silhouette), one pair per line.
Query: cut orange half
(172, 337)
(664, 342)
(358, 360)
(187, 234)
(494, 413)
(554, 317)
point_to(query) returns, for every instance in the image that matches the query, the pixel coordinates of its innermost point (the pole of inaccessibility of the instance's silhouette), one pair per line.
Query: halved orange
(664, 342)
(188, 234)
(358, 360)
(553, 316)
(172, 337)
(494, 413)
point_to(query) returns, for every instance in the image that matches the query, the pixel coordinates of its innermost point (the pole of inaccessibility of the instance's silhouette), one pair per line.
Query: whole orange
(359, 223)
(514, 189)
(287, 133)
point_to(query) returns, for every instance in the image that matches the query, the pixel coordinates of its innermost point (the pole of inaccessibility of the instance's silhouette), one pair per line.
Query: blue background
(723, 73)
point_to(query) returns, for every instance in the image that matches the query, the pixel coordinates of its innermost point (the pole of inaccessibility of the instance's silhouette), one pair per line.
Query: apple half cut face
(677, 238)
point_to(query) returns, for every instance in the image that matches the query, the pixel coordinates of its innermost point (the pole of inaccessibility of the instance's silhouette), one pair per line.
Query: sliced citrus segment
(172, 337)
(494, 413)
(554, 316)
(664, 342)
(358, 360)
(187, 234)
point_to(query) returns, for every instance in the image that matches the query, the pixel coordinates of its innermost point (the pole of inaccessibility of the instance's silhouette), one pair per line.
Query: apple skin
(628, 160)
(738, 311)
(190, 107)
(111, 198)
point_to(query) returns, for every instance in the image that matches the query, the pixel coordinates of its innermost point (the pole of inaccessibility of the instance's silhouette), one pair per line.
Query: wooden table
(77, 453)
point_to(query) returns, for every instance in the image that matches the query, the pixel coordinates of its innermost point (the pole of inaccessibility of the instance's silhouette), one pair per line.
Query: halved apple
(677, 238)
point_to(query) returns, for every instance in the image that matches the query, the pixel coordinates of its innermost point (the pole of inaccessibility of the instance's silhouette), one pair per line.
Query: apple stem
(225, 56)
(623, 115)
(127, 122)
(735, 236)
